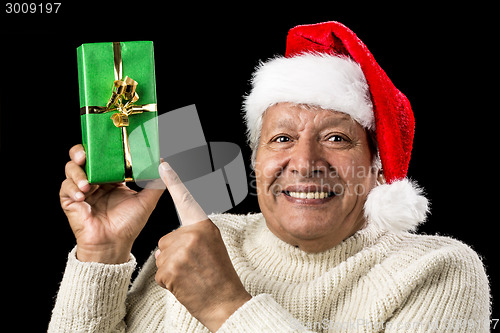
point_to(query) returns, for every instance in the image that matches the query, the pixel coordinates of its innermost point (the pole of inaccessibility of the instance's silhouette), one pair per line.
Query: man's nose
(307, 160)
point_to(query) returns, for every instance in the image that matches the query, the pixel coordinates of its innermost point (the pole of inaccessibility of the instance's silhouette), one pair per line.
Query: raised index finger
(188, 209)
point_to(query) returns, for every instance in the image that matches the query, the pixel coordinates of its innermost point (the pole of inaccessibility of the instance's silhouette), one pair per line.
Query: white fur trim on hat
(328, 81)
(397, 207)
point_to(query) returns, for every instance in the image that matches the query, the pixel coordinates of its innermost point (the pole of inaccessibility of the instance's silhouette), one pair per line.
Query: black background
(442, 58)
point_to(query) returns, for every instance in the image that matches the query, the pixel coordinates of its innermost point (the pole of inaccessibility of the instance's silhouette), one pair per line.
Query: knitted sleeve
(261, 314)
(91, 297)
(447, 291)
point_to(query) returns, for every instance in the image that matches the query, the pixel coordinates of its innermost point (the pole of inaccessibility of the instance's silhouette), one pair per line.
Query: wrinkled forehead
(296, 116)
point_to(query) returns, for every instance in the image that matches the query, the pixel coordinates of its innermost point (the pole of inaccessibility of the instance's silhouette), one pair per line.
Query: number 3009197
(31, 8)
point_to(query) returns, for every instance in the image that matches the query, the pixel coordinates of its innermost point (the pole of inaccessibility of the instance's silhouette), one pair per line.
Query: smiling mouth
(309, 195)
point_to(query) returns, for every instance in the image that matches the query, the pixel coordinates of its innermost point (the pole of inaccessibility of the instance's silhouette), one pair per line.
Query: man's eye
(282, 139)
(336, 138)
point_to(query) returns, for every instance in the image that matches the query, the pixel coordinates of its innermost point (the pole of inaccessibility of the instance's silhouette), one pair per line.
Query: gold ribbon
(122, 100)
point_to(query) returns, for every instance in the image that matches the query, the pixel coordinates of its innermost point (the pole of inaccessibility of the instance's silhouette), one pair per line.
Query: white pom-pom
(397, 207)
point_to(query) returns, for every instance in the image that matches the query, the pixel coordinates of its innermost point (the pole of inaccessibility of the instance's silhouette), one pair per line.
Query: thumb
(151, 193)
(188, 209)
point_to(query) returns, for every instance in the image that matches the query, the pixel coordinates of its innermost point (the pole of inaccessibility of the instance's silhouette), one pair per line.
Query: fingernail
(79, 196)
(82, 183)
(165, 166)
(80, 156)
(157, 253)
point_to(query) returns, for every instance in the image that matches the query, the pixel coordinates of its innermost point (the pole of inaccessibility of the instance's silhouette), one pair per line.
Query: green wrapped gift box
(118, 111)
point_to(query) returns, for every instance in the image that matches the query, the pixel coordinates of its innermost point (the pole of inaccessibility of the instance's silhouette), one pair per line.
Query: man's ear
(380, 177)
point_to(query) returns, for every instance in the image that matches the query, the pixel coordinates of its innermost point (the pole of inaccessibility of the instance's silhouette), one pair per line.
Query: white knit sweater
(373, 281)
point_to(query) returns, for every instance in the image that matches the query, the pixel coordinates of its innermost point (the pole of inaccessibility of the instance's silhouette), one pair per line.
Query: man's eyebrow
(342, 118)
(284, 123)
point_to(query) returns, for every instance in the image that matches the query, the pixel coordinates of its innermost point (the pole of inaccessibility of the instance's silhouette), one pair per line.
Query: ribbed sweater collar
(282, 261)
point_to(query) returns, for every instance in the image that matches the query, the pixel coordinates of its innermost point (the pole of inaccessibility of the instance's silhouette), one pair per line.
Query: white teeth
(309, 195)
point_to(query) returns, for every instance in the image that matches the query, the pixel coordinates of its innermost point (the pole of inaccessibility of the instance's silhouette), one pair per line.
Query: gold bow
(122, 99)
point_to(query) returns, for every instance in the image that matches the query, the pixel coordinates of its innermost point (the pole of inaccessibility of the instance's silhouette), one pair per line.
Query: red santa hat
(327, 65)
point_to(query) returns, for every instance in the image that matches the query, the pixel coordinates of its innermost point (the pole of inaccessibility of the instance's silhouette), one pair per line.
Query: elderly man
(329, 252)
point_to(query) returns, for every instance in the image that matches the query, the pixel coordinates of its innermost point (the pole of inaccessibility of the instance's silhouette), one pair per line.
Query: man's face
(313, 171)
